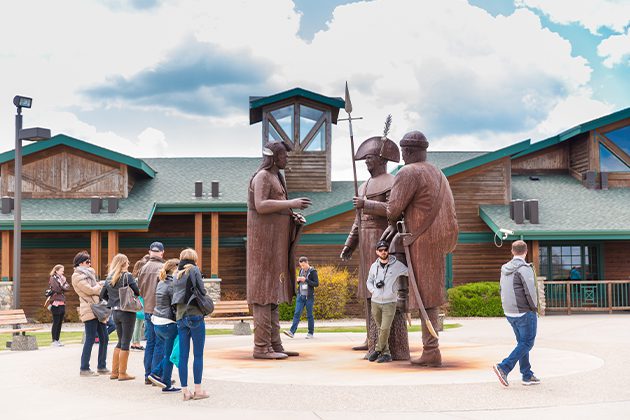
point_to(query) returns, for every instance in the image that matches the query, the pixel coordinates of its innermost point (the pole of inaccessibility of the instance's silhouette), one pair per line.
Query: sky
(153, 78)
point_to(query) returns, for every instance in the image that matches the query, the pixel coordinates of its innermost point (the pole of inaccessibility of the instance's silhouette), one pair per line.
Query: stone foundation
(213, 287)
(542, 302)
(23, 343)
(6, 295)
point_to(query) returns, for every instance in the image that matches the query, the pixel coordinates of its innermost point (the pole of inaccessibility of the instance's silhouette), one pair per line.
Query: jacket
(88, 289)
(312, 280)
(164, 299)
(518, 288)
(182, 291)
(58, 285)
(147, 282)
(389, 274)
(111, 293)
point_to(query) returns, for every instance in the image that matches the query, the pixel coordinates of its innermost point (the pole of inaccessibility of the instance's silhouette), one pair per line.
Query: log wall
(617, 260)
(553, 159)
(479, 262)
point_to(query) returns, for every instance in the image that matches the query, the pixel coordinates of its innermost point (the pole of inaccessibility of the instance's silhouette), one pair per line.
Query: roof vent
(112, 204)
(96, 205)
(604, 180)
(590, 180)
(7, 204)
(198, 189)
(215, 189)
(531, 211)
(518, 211)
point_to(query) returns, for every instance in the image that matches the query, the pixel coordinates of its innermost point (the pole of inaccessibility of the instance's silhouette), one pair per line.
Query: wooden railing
(587, 295)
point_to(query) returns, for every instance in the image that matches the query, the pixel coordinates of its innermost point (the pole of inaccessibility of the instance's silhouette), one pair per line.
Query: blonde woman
(163, 320)
(118, 277)
(58, 284)
(190, 323)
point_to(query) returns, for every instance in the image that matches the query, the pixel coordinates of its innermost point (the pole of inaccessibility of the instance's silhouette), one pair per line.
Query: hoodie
(518, 288)
(389, 274)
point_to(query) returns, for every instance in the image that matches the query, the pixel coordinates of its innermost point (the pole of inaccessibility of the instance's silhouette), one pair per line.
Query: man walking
(147, 281)
(307, 282)
(382, 283)
(520, 304)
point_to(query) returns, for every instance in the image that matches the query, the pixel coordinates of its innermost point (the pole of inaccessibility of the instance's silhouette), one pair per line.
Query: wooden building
(581, 179)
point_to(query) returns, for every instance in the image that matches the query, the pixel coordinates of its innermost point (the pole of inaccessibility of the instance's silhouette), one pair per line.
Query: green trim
(475, 237)
(329, 212)
(333, 102)
(62, 139)
(488, 221)
(82, 225)
(449, 270)
(487, 158)
(201, 207)
(323, 239)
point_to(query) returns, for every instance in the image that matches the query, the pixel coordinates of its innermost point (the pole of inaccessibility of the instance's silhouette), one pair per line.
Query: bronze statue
(421, 193)
(371, 220)
(272, 231)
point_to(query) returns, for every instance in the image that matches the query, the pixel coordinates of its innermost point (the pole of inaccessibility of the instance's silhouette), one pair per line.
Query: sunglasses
(382, 250)
(88, 261)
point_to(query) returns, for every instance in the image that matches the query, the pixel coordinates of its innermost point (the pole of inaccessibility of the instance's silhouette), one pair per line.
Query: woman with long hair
(58, 284)
(163, 319)
(88, 288)
(118, 277)
(190, 323)
(138, 328)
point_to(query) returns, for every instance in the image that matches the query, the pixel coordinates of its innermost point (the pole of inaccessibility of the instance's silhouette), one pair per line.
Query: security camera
(506, 233)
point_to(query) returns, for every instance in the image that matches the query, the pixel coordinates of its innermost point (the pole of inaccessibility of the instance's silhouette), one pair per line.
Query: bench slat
(12, 312)
(231, 318)
(20, 330)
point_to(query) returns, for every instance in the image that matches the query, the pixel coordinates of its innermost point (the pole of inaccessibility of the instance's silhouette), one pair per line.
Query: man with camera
(382, 282)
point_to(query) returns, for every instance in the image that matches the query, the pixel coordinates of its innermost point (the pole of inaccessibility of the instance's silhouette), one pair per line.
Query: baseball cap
(382, 244)
(157, 247)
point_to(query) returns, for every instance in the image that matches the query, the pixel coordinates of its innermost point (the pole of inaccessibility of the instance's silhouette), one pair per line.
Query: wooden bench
(238, 310)
(14, 318)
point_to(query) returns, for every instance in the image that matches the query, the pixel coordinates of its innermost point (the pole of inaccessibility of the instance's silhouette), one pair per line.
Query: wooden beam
(199, 239)
(614, 149)
(214, 245)
(535, 256)
(6, 255)
(95, 251)
(112, 245)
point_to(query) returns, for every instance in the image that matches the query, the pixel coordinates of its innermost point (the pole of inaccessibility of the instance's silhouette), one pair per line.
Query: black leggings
(58, 313)
(125, 322)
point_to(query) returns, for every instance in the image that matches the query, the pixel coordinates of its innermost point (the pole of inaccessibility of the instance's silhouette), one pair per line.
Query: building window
(608, 162)
(621, 137)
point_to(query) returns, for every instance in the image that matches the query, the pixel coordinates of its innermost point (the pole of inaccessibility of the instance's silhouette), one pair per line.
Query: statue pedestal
(398, 337)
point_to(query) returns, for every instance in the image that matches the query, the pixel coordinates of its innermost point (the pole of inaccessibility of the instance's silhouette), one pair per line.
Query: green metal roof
(567, 210)
(62, 139)
(256, 102)
(577, 130)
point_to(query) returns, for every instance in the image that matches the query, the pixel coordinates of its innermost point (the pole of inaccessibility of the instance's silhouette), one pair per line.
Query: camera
(380, 284)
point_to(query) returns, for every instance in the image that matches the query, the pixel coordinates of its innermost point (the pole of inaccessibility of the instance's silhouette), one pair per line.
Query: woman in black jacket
(58, 285)
(119, 277)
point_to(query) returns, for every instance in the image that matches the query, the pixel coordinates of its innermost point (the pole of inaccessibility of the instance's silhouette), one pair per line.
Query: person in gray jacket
(519, 297)
(382, 282)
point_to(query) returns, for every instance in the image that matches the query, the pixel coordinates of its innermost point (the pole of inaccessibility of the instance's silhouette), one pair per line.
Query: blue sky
(172, 78)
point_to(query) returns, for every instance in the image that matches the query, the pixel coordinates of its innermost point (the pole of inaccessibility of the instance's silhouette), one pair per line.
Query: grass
(74, 337)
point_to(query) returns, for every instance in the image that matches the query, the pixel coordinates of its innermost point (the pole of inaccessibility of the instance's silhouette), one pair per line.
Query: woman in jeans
(85, 284)
(119, 277)
(58, 284)
(163, 320)
(190, 323)
(138, 329)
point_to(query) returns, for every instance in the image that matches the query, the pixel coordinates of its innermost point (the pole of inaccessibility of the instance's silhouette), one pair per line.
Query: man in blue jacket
(519, 297)
(307, 281)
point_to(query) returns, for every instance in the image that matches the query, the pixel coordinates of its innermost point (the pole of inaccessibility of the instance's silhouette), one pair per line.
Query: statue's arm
(265, 205)
(375, 208)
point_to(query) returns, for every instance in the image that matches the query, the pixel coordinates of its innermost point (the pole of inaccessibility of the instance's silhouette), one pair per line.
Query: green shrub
(475, 299)
(331, 296)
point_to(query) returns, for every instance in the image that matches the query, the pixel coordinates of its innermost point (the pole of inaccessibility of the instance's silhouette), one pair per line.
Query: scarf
(87, 272)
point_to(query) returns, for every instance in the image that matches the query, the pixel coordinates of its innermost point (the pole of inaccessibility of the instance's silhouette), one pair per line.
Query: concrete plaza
(582, 360)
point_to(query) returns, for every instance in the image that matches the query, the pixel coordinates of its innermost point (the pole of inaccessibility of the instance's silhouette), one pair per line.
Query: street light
(29, 134)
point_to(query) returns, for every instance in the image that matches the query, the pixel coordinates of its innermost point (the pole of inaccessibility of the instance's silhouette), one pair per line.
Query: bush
(475, 299)
(334, 291)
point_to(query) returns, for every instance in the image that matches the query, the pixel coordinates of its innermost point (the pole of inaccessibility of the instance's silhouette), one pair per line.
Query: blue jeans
(300, 303)
(525, 330)
(191, 327)
(164, 368)
(150, 348)
(92, 329)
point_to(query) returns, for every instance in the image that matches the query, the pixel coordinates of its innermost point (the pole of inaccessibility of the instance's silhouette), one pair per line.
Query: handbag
(129, 302)
(101, 311)
(204, 303)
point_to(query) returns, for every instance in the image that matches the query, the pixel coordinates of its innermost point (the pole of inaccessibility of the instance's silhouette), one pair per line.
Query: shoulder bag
(204, 303)
(101, 311)
(129, 302)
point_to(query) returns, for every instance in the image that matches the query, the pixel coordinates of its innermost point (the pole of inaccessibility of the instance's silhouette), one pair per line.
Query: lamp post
(30, 134)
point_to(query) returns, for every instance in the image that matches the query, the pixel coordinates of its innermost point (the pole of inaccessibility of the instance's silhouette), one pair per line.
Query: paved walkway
(583, 361)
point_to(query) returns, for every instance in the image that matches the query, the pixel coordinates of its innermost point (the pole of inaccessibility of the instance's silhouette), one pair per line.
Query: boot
(115, 362)
(280, 349)
(361, 347)
(429, 358)
(431, 355)
(269, 355)
(122, 372)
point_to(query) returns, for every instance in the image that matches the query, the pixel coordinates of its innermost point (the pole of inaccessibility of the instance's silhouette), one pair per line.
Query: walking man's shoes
(288, 333)
(156, 380)
(384, 358)
(309, 336)
(501, 375)
(531, 381)
(373, 356)
(88, 373)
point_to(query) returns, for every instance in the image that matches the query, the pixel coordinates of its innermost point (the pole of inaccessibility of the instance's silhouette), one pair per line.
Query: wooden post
(95, 251)
(112, 244)
(568, 298)
(610, 303)
(535, 256)
(6, 255)
(214, 245)
(199, 239)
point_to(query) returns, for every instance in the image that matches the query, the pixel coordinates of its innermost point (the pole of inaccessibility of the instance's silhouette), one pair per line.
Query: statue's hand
(358, 202)
(389, 233)
(346, 253)
(300, 203)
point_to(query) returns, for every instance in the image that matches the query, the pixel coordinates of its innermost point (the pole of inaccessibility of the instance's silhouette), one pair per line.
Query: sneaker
(531, 381)
(88, 373)
(373, 356)
(171, 390)
(59, 343)
(309, 336)
(147, 381)
(156, 380)
(103, 371)
(55, 344)
(501, 375)
(288, 333)
(384, 358)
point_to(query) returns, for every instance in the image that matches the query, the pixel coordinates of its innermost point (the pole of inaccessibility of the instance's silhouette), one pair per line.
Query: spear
(348, 109)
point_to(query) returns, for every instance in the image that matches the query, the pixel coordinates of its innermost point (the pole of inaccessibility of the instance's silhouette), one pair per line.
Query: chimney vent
(531, 210)
(112, 204)
(590, 180)
(6, 205)
(519, 211)
(96, 204)
(215, 189)
(198, 189)
(604, 176)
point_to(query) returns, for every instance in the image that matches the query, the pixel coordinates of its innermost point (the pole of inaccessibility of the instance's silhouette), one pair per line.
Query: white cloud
(591, 14)
(615, 50)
